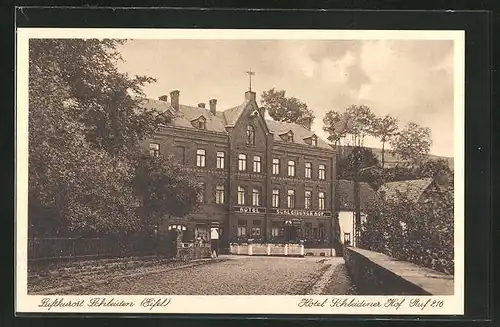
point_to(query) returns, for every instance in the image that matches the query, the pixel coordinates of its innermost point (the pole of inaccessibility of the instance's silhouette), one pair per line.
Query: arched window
(250, 135)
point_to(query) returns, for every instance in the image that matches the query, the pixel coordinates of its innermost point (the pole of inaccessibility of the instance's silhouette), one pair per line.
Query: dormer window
(200, 123)
(288, 137)
(314, 140)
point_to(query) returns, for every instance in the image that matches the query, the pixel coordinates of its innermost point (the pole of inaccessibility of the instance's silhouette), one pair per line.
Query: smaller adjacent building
(346, 204)
(416, 190)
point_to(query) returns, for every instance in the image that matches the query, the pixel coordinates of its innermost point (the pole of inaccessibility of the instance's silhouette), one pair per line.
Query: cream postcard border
(237, 304)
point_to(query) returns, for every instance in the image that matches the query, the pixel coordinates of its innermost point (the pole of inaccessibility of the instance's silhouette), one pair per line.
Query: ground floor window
(321, 232)
(242, 228)
(347, 238)
(275, 231)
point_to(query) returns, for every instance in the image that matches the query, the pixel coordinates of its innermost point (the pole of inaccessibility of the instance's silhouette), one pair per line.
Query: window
(291, 199)
(307, 230)
(321, 172)
(321, 231)
(220, 159)
(291, 168)
(201, 195)
(242, 228)
(314, 141)
(219, 194)
(256, 228)
(347, 238)
(275, 231)
(200, 158)
(308, 171)
(307, 199)
(154, 149)
(276, 198)
(321, 201)
(276, 166)
(256, 164)
(241, 195)
(242, 162)
(202, 124)
(256, 197)
(250, 135)
(180, 154)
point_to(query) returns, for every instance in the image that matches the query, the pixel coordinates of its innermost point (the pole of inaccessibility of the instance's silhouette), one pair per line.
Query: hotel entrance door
(291, 231)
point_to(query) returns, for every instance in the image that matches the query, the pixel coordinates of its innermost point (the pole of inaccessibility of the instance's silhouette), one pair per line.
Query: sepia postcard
(193, 171)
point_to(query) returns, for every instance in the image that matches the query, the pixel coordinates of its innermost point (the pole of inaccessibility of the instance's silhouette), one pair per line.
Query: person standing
(214, 240)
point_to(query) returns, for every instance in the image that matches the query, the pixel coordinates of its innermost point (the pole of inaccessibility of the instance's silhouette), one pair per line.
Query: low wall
(193, 253)
(268, 249)
(375, 273)
(324, 252)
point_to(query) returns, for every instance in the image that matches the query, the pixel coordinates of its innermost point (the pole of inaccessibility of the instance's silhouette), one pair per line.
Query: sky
(411, 80)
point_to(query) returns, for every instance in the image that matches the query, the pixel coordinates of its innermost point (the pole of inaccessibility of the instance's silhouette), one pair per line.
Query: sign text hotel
(298, 212)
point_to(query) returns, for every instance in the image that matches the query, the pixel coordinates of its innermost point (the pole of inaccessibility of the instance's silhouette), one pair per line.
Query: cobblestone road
(236, 276)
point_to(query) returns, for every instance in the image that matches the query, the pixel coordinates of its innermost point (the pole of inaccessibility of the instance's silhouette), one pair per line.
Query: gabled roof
(229, 117)
(345, 195)
(187, 114)
(412, 188)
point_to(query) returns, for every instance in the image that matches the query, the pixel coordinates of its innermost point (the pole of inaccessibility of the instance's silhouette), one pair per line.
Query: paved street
(239, 275)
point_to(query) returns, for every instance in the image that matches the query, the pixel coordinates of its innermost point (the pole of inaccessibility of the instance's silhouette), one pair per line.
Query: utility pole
(356, 200)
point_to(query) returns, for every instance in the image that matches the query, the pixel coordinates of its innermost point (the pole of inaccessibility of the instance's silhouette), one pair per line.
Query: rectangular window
(242, 228)
(307, 230)
(241, 195)
(291, 168)
(219, 194)
(180, 154)
(201, 195)
(308, 170)
(200, 158)
(256, 197)
(321, 172)
(276, 166)
(321, 201)
(291, 199)
(276, 198)
(314, 141)
(347, 238)
(154, 149)
(220, 159)
(307, 199)
(242, 162)
(275, 231)
(321, 231)
(256, 164)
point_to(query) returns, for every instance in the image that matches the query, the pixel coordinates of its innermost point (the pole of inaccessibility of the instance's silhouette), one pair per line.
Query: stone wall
(375, 273)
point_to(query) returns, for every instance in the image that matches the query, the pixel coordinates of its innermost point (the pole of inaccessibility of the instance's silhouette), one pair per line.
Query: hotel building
(261, 179)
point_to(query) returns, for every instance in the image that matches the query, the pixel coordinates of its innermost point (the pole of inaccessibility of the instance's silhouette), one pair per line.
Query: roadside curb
(54, 291)
(322, 282)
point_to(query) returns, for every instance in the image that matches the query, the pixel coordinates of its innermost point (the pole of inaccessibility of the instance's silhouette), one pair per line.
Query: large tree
(85, 125)
(385, 129)
(412, 144)
(285, 109)
(334, 125)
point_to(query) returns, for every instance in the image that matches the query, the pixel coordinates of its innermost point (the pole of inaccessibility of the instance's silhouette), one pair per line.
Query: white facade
(347, 223)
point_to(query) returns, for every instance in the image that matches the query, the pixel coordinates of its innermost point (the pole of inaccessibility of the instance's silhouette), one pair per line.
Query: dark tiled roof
(345, 195)
(413, 189)
(219, 121)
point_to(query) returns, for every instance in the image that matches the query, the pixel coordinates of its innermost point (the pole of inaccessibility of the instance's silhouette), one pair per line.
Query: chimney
(307, 122)
(163, 98)
(174, 95)
(201, 105)
(250, 95)
(213, 106)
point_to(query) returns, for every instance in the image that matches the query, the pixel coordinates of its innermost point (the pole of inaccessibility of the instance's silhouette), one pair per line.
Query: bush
(421, 233)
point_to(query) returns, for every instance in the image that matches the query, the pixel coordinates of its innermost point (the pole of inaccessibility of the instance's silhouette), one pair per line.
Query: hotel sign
(249, 209)
(298, 212)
